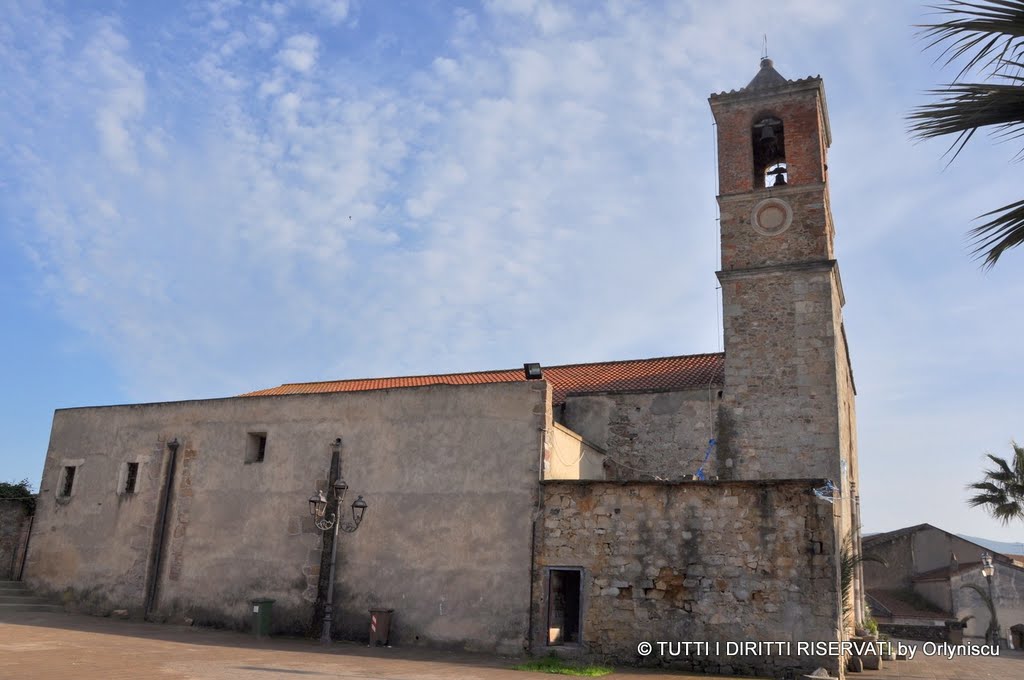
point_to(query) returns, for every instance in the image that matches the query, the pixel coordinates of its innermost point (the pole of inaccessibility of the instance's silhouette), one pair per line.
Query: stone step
(30, 607)
(25, 597)
(22, 588)
(13, 585)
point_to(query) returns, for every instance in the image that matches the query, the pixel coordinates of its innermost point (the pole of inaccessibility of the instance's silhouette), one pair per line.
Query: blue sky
(203, 199)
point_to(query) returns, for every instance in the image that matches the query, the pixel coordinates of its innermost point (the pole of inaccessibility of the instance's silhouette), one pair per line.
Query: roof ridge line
(501, 370)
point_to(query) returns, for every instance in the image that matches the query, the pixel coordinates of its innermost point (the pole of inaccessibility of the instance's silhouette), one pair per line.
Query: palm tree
(989, 36)
(1002, 491)
(849, 559)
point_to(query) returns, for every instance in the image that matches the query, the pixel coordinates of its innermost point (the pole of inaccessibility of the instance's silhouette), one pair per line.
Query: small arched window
(769, 141)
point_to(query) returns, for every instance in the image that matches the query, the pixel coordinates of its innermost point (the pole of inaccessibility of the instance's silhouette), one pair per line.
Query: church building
(580, 509)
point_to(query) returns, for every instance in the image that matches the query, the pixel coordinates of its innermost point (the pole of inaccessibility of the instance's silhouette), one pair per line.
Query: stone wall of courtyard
(710, 562)
(15, 520)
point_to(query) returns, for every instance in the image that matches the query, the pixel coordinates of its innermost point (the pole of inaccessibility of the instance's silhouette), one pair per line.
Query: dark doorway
(564, 606)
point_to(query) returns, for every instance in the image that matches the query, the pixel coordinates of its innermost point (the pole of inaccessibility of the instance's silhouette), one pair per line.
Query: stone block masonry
(707, 562)
(649, 434)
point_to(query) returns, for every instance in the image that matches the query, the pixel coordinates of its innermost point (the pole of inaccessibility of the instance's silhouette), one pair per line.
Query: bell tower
(787, 407)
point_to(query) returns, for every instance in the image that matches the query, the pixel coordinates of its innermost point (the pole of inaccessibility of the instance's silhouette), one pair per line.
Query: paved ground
(1009, 665)
(40, 646)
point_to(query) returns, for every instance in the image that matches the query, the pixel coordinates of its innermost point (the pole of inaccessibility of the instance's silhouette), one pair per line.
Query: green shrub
(19, 491)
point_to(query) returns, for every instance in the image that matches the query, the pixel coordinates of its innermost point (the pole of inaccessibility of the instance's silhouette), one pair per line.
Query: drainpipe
(160, 532)
(327, 549)
(533, 572)
(859, 580)
(24, 553)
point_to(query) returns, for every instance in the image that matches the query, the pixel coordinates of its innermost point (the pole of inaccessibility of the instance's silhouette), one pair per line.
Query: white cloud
(536, 183)
(335, 11)
(265, 33)
(300, 52)
(120, 91)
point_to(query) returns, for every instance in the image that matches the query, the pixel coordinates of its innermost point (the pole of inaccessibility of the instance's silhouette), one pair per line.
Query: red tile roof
(904, 605)
(663, 373)
(943, 573)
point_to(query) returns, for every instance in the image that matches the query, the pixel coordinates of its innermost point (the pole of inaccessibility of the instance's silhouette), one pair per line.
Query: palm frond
(1003, 472)
(988, 35)
(986, 501)
(1001, 491)
(963, 108)
(848, 561)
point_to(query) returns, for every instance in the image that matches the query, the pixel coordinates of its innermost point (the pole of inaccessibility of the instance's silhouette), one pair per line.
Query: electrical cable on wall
(707, 454)
(828, 493)
(558, 455)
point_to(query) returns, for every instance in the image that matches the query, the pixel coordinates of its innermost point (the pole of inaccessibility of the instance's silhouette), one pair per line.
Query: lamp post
(987, 570)
(334, 521)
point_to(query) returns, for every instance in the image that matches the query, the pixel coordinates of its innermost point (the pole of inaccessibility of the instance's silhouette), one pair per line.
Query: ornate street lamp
(987, 570)
(324, 522)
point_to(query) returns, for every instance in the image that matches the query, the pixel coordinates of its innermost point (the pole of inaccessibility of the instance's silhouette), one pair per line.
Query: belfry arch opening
(769, 141)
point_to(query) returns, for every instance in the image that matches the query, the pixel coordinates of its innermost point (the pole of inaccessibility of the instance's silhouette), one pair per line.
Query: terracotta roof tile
(663, 373)
(943, 573)
(901, 604)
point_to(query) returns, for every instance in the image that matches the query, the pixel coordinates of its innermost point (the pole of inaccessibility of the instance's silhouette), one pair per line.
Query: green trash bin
(262, 611)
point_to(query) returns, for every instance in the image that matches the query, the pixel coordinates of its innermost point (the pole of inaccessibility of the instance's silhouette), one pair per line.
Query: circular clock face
(771, 217)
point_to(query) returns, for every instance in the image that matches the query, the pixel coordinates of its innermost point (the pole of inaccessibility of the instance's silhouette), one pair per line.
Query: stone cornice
(779, 93)
(768, 192)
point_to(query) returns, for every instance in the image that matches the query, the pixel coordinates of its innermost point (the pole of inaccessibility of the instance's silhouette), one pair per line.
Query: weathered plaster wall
(692, 561)
(937, 592)
(1008, 588)
(914, 553)
(569, 456)
(450, 474)
(648, 435)
(933, 548)
(14, 525)
(897, 571)
(930, 548)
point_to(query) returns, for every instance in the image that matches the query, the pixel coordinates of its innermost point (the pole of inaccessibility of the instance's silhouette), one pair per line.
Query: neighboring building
(509, 514)
(919, 590)
(15, 524)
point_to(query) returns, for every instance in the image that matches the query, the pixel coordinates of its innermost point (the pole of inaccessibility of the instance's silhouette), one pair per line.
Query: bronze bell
(780, 176)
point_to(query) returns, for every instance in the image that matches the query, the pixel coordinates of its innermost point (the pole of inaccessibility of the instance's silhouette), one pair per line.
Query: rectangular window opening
(564, 596)
(256, 450)
(69, 481)
(131, 478)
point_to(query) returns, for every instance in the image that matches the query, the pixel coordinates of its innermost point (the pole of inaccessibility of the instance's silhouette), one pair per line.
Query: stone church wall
(648, 434)
(450, 475)
(694, 561)
(808, 239)
(780, 411)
